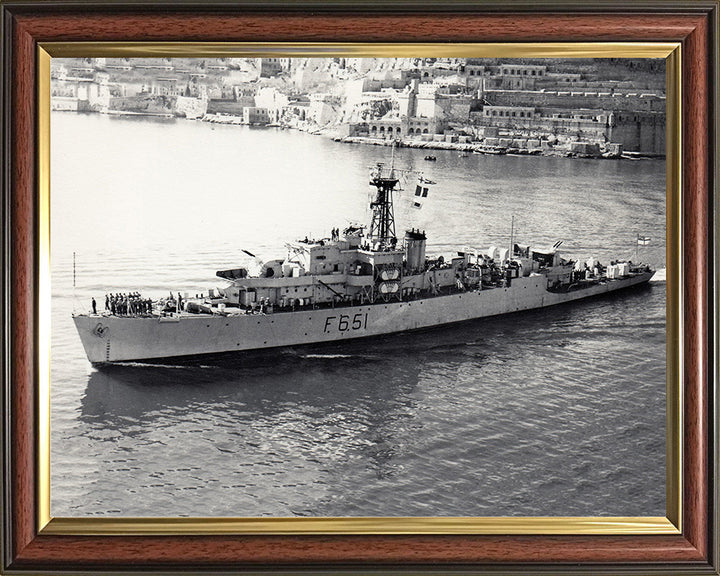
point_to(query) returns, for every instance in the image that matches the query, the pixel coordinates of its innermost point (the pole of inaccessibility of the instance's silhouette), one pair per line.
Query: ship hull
(109, 339)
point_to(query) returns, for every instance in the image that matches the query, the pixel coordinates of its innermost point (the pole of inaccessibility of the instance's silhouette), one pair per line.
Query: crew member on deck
(94, 305)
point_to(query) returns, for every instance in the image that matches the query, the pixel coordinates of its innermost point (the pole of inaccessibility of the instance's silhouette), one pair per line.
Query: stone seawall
(508, 146)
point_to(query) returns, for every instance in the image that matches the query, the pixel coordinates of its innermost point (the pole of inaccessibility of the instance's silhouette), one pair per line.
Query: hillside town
(575, 108)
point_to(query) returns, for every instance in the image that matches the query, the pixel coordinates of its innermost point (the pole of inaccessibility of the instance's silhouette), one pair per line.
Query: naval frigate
(351, 285)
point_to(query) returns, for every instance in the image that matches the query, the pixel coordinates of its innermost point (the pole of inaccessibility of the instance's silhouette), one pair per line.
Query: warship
(358, 283)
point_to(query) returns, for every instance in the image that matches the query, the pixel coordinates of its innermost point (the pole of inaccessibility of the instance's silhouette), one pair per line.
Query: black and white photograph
(295, 287)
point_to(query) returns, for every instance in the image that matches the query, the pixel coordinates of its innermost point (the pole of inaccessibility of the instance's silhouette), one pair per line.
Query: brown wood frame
(27, 23)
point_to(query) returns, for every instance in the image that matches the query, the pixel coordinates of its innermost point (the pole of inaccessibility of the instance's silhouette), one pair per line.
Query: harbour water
(551, 412)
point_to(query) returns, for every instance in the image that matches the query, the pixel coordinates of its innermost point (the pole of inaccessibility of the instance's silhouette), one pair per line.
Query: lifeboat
(390, 274)
(389, 287)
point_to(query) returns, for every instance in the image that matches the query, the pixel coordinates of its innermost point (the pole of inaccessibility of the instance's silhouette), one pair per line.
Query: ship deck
(233, 311)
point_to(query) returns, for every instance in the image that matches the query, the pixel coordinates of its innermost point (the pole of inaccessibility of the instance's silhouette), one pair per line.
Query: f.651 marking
(346, 322)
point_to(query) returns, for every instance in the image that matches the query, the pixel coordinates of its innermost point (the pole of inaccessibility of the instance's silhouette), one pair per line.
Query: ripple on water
(552, 412)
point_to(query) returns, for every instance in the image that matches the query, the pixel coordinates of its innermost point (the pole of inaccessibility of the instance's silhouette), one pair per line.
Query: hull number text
(346, 322)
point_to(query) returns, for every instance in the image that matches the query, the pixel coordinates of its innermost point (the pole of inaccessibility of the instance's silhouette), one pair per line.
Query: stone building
(637, 121)
(256, 116)
(520, 76)
(270, 67)
(639, 131)
(81, 93)
(164, 87)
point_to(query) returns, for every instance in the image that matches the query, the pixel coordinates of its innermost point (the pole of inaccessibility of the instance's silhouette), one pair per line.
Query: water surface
(552, 412)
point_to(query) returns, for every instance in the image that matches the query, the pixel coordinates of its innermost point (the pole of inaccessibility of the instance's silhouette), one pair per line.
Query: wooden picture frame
(31, 546)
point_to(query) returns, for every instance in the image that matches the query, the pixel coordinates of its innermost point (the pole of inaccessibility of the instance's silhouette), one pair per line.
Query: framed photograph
(328, 288)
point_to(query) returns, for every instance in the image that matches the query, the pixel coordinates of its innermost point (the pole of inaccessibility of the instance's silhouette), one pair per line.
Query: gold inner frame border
(670, 524)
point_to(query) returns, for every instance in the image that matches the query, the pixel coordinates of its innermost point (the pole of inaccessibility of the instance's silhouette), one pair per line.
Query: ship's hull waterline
(109, 339)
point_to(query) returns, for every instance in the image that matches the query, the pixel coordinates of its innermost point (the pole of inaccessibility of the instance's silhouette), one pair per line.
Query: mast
(382, 226)
(73, 293)
(512, 232)
(637, 243)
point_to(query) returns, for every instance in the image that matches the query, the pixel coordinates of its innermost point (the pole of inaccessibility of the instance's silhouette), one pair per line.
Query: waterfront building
(255, 116)
(507, 115)
(634, 120)
(273, 101)
(81, 94)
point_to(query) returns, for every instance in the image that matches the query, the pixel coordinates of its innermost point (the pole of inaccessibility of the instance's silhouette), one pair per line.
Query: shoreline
(462, 148)
(479, 148)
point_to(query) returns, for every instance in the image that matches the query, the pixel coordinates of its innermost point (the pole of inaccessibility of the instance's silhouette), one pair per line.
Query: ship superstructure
(352, 285)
